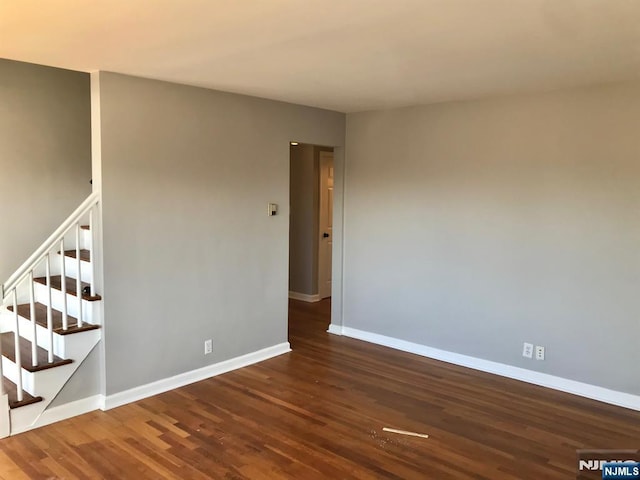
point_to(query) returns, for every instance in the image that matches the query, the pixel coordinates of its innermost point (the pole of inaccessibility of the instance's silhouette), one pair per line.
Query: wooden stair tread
(8, 350)
(24, 310)
(56, 283)
(12, 393)
(85, 255)
(84, 227)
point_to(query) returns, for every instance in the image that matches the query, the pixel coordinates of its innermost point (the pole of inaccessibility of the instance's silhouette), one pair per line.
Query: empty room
(306, 240)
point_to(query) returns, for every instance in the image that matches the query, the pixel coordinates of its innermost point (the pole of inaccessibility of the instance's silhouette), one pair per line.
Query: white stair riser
(70, 265)
(11, 372)
(85, 238)
(39, 383)
(88, 308)
(71, 269)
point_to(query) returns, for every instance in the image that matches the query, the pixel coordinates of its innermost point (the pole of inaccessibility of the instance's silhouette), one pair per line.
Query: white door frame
(337, 254)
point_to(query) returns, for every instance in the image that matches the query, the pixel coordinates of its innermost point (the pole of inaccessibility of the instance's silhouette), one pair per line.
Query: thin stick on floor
(404, 432)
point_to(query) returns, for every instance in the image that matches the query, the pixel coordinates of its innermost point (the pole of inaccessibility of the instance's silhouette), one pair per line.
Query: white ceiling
(346, 55)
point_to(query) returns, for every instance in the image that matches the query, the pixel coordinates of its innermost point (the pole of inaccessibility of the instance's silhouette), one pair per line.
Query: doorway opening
(311, 183)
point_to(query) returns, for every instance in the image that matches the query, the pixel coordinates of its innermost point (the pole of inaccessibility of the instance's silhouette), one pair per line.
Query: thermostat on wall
(273, 209)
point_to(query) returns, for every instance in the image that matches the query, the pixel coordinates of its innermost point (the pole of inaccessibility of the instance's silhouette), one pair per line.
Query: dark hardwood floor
(318, 413)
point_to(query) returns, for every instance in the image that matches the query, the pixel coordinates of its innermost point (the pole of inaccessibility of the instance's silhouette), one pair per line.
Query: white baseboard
(335, 329)
(166, 384)
(586, 390)
(62, 412)
(304, 297)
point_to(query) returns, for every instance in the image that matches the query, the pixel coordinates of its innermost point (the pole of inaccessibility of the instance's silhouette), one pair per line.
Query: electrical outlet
(527, 350)
(208, 346)
(539, 352)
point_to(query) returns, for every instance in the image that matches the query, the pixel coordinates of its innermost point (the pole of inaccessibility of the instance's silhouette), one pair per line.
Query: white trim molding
(304, 297)
(62, 412)
(586, 390)
(166, 384)
(335, 329)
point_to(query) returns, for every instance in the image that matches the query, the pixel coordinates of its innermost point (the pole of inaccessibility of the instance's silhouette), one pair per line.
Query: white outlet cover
(539, 353)
(208, 346)
(527, 350)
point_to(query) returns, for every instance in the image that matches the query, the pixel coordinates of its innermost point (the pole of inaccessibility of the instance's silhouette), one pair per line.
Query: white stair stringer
(48, 383)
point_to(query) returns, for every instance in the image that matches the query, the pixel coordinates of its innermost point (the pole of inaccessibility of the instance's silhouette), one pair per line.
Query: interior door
(325, 243)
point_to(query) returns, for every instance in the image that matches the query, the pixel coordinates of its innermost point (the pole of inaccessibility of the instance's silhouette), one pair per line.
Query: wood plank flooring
(318, 413)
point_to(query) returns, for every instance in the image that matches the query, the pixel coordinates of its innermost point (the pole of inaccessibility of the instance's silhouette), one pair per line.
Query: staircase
(49, 320)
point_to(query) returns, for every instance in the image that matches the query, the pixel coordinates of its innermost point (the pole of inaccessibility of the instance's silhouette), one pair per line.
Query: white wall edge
(96, 183)
(586, 390)
(62, 412)
(304, 297)
(170, 383)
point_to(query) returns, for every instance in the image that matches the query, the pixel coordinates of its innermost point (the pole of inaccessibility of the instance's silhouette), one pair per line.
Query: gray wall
(45, 155)
(84, 383)
(472, 227)
(189, 251)
(303, 231)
